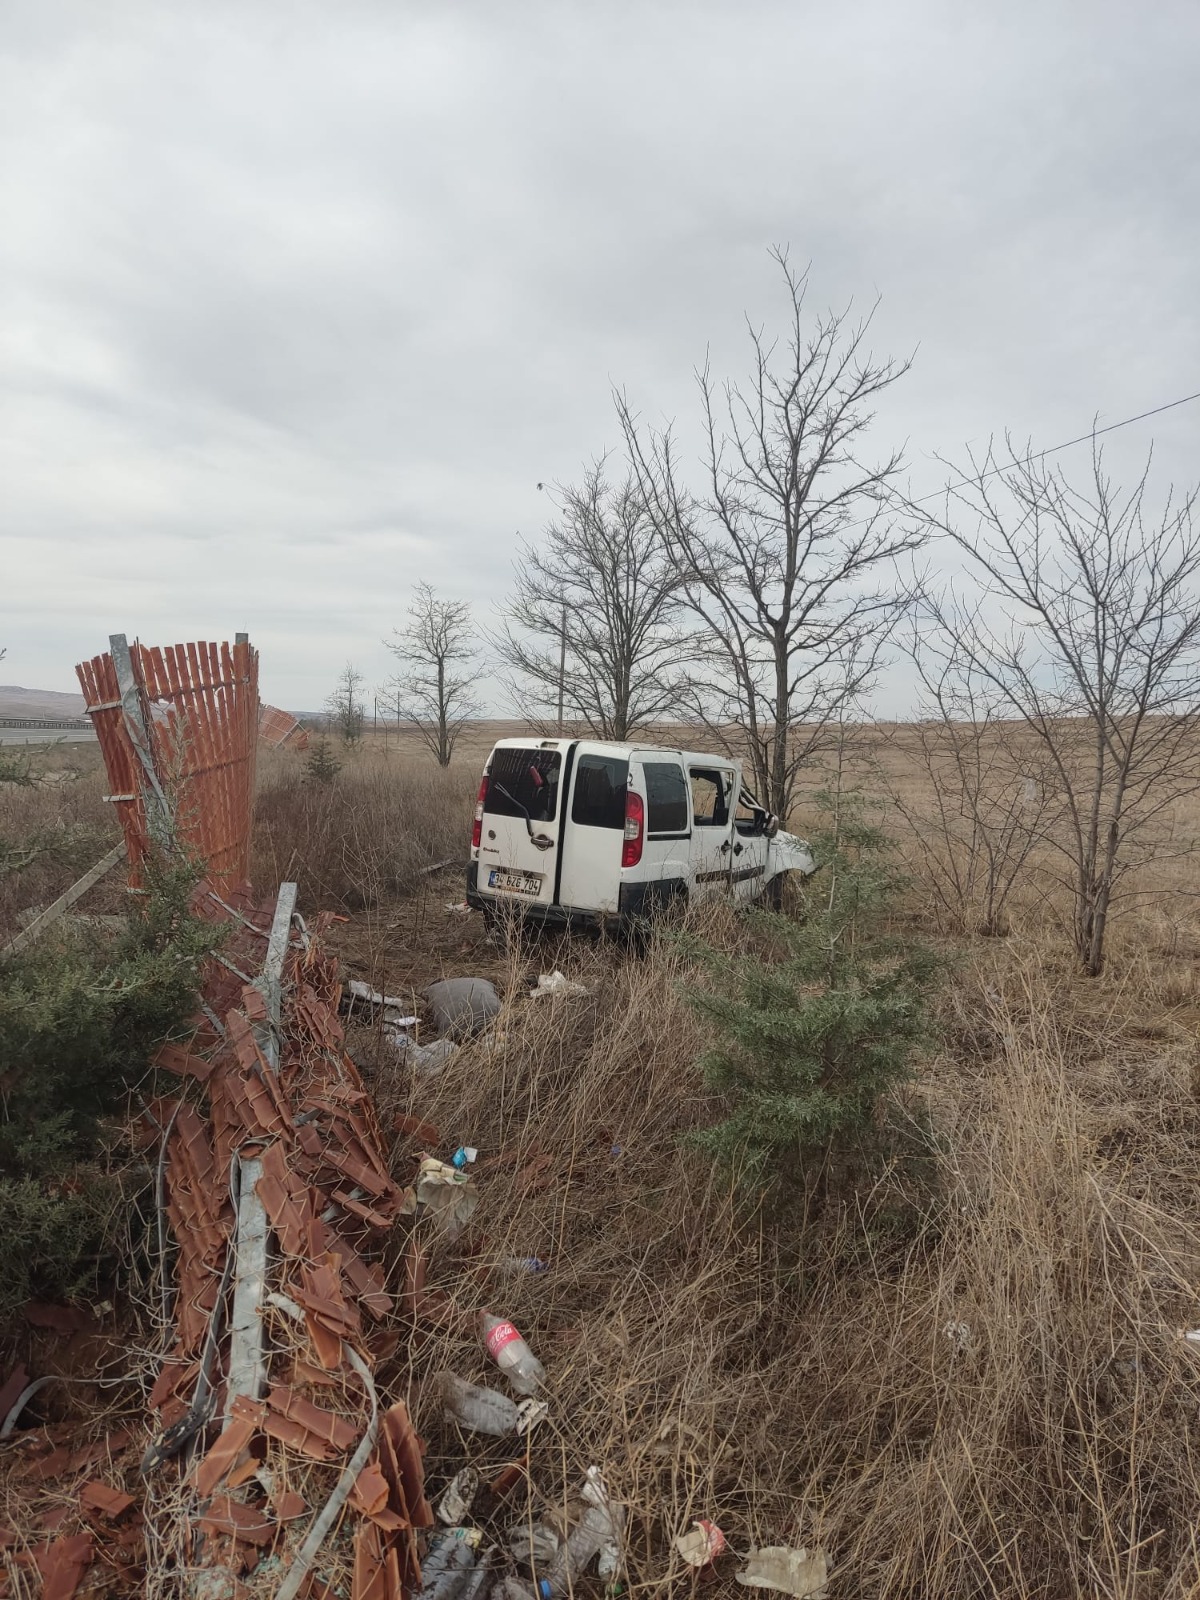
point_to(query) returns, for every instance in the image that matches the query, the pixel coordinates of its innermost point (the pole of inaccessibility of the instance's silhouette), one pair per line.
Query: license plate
(514, 882)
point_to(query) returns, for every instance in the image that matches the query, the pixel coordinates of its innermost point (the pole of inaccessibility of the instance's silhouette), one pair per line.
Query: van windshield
(524, 782)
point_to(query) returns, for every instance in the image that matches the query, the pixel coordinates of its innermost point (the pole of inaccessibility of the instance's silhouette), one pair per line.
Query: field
(972, 1386)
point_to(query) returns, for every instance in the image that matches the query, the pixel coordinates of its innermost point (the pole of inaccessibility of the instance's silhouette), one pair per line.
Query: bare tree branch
(784, 556)
(603, 584)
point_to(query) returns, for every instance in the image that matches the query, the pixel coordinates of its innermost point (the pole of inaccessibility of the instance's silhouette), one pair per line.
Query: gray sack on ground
(462, 1006)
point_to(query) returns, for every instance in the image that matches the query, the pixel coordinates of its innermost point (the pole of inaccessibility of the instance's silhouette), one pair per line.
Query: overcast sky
(300, 302)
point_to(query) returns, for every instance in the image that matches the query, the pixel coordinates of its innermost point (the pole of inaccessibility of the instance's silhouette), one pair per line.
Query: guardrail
(79, 724)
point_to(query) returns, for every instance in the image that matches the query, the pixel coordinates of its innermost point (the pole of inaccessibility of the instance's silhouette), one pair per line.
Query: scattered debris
(515, 1264)
(426, 1060)
(557, 983)
(701, 1544)
(462, 1006)
(459, 1496)
(458, 908)
(446, 1194)
(465, 1156)
(440, 866)
(795, 1572)
(959, 1335)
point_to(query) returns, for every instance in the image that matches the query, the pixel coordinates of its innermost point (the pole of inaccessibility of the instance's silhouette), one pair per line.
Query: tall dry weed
(363, 837)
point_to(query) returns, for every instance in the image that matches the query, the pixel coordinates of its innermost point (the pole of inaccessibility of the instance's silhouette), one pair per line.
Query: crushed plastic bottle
(477, 1581)
(534, 1546)
(449, 1563)
(511, 1354)
(479, 1409)
(590, 1535)
(595, 1492)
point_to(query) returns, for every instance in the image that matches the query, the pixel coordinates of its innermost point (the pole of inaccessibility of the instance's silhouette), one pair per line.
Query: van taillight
(477, 830)
(635, 817)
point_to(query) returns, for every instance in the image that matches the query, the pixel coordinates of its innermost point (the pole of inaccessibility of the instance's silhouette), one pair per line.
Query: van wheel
(666, 911)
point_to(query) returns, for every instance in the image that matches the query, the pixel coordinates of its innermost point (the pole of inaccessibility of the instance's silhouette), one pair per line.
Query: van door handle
(737, 849)
(725, 848)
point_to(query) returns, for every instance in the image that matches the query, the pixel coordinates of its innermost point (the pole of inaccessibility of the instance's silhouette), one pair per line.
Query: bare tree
(435, 687)
(785, 555)
(589, 628)
(1087, 630)
(981, 802)
(345, 704)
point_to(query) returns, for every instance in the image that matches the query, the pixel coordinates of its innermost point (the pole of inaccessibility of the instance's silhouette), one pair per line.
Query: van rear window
(600, 784)
(524, 782)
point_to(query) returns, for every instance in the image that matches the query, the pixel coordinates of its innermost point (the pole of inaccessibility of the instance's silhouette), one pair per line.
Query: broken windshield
(524, 783)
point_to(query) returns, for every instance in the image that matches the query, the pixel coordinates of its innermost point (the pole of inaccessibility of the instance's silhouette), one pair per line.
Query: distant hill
(50, 703)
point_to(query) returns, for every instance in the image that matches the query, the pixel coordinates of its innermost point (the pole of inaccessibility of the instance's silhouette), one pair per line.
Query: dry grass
(51, 830)
(985, 1396)
(813, 1387)
(363, 838)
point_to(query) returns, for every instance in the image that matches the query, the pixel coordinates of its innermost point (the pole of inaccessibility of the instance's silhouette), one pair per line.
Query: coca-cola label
(494, 1341)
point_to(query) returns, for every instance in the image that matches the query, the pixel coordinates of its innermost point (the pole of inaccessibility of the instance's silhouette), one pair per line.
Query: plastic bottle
(481, 1410)
(511, 1354)
(590, 1535)
(477, 1581)
(448, 1564)
(595, 1492)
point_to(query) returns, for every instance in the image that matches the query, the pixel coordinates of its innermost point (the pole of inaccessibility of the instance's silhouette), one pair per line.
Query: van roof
(630, 748)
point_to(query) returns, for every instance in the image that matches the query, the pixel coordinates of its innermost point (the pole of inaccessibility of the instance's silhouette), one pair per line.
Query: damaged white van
(583, 833)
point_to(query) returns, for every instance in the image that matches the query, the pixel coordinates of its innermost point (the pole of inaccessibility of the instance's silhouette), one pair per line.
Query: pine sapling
(811, 1036)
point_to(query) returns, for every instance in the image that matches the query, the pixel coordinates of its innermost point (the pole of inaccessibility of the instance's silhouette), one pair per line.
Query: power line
(1040, 455)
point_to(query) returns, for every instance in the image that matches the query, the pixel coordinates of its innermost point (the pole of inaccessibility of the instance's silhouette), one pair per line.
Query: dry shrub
(987, 1398)
(365, 835)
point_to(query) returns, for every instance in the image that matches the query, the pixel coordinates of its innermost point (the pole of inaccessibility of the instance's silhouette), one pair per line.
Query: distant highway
(46, 735)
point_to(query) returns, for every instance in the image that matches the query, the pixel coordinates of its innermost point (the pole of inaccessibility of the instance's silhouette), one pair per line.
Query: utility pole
(562, 670)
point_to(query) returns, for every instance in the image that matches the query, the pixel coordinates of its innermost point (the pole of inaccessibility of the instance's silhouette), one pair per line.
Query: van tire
(667, 904)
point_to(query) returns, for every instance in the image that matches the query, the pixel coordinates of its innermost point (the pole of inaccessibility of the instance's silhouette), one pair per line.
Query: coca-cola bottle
(511, 1354)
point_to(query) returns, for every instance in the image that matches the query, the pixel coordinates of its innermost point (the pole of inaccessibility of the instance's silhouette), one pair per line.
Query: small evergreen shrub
(321, 765)
(81, 1017)
(810, 1035)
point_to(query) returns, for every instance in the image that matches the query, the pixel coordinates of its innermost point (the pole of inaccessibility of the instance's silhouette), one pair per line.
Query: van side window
(710, 798)
(600, 784)
(666, 798)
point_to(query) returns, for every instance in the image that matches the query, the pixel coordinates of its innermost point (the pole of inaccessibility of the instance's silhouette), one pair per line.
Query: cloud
(301, 302)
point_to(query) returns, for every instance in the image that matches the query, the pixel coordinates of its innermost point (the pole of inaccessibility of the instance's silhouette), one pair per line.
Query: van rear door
(518, 844)
(595, 836)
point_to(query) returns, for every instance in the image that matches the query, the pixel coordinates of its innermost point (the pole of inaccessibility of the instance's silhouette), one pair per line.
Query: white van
(578, 832)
